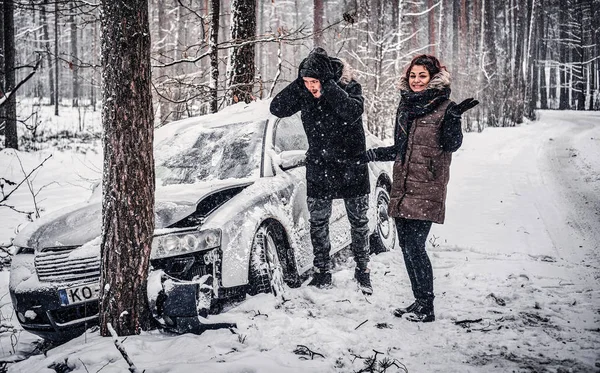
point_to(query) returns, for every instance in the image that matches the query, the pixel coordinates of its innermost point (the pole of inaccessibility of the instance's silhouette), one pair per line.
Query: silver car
(231, 220)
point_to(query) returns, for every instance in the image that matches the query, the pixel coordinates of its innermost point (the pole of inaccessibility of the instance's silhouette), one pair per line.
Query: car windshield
(216, 153)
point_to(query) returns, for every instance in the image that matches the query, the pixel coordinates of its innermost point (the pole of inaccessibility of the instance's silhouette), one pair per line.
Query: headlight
(179, 243)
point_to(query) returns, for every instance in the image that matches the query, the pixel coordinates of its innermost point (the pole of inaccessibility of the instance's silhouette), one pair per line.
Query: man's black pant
(320, 212)
(412, 235)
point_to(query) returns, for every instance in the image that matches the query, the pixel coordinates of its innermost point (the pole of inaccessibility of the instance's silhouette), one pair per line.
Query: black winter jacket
(335, 133)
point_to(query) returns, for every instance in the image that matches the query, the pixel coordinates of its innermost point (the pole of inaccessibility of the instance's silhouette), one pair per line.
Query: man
(331, 105)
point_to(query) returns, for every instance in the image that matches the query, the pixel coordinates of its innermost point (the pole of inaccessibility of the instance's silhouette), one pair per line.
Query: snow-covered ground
(516, 268)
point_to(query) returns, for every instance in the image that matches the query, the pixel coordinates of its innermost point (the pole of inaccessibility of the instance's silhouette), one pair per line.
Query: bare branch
(13, 91)
(121, 348)
(4, 198)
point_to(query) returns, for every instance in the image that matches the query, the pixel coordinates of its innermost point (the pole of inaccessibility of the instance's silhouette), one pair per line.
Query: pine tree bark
(431, 21)
(242, 67)
(56, 79)
(74, 57)
(46, 35)
(11, 139)
(128, 180)
(318, 12)
(215, 9)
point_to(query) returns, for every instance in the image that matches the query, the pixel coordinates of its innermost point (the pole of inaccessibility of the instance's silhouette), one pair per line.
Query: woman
(428, 130)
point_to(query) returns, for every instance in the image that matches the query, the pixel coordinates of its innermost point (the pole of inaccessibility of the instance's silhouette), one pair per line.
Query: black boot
(363, 277)
(398, 312)
(422, 312)
(321, 279)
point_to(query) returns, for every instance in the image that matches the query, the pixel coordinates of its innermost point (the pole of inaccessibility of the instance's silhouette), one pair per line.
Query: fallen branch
(303, 350)
(121, 348)
(467, 321)
(257, 313)
(361, 324)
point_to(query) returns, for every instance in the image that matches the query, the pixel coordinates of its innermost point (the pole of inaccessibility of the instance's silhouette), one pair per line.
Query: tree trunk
(46, 36)
(2, 77)
(215, 11)
(431, 19)
(579, 51)
(241, 59)
(541, 40)
(595, 66)
(74, 57)
(11, 139)
(56, 87)
(94, 61)
(128, 180)
(563, 103)
(164, 107)
(318, 23)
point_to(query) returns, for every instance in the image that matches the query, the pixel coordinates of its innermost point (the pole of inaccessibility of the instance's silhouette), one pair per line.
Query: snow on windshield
(215, 153)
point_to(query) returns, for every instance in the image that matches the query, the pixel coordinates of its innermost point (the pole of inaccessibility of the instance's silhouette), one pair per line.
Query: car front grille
(58, 265)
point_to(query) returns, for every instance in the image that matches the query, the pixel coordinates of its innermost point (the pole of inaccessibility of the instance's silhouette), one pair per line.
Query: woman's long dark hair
(431, 63)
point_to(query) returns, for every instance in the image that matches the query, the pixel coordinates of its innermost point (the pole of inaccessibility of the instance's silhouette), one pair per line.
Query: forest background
(513, 55)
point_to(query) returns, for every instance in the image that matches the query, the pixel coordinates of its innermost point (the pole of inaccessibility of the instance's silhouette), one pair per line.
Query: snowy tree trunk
(56, 78)
(128, 180)
(214, 54)
(563, 10)
(541, 41)
(11, 139)
(241, 59)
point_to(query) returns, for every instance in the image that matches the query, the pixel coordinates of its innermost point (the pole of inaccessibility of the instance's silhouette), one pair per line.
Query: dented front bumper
(183, 306)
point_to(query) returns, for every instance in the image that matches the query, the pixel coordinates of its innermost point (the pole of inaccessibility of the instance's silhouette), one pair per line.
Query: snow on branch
(12, 92)
(121, 348)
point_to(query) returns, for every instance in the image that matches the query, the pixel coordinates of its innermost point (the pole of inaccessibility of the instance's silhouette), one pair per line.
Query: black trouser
(413, 236)
(320, 212)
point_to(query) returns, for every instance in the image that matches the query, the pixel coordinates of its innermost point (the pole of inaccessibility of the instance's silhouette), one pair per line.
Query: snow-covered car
(231, 220)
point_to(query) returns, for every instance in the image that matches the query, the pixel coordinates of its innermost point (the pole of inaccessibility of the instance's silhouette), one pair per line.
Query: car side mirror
(290, 159)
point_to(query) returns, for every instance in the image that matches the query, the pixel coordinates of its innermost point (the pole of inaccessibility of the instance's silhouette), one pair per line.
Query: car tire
(385, 235)
(266, 273)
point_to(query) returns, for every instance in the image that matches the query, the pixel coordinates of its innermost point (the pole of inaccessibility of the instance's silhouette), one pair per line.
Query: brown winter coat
(419, 184)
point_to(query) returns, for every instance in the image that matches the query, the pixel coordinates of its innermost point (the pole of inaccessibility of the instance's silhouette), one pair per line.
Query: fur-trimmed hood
(439, 81)
(347, 73)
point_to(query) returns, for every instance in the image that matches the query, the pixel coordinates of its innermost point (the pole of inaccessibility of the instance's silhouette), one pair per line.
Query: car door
(289, 141)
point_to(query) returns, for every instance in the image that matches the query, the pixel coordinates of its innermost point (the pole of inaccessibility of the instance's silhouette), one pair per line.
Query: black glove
(371, 155)
(458, 109)
(323, 67)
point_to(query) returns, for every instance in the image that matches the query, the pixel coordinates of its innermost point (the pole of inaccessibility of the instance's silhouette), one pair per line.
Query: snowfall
(516, 265)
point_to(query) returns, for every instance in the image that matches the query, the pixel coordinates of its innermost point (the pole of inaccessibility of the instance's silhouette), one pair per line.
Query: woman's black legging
(413, 236)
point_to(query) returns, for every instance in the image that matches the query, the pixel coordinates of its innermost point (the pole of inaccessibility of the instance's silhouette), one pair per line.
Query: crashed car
(231, 220)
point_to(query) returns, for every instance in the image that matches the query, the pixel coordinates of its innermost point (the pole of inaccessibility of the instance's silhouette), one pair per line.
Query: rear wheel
(267, 270)
(384, 236)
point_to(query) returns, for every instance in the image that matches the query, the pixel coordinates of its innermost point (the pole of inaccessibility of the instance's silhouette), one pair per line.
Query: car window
(290, 135)
(204, 154)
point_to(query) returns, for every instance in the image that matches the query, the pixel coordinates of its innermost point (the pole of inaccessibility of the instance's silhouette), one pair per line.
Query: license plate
(79, 294)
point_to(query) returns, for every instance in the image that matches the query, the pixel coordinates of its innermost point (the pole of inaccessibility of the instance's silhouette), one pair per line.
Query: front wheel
(266, 272)
(384, 236)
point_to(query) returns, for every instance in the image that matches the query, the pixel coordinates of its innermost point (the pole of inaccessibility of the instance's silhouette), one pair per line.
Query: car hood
(78, 224)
